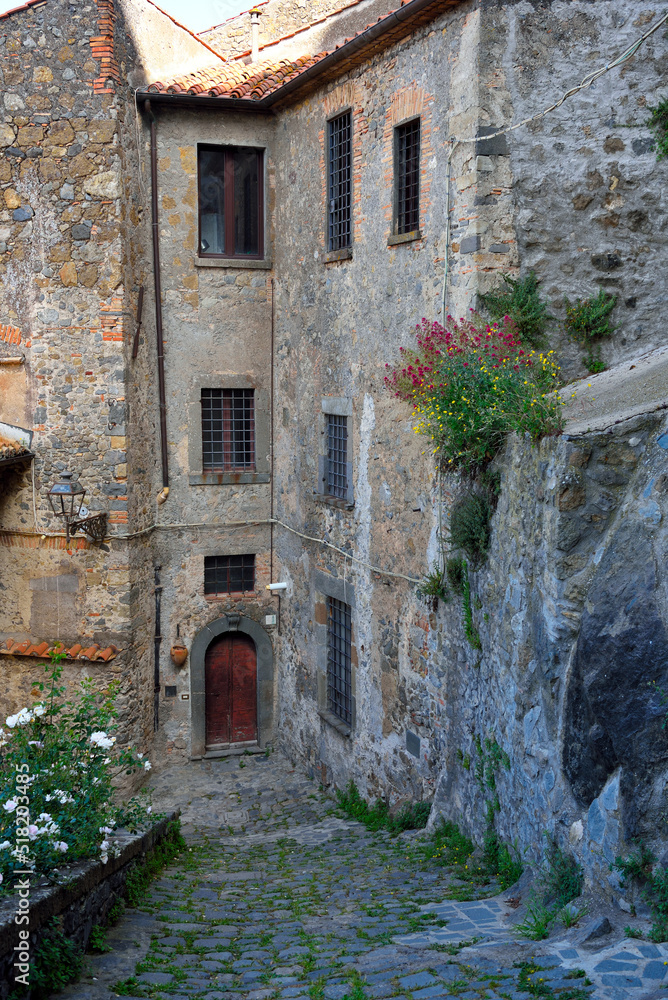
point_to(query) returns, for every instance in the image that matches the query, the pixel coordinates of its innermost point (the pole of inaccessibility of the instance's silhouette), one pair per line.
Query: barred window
(340, 182)
(407, 173)
(339, 670)
(337, 456)
(229, 574)
(228, 430)
(231, 197)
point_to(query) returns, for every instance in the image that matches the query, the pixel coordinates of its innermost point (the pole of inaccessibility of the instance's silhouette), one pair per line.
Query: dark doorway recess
(231, 691)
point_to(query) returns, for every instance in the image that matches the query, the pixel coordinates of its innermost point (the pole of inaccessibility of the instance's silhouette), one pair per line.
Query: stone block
(491, 147)
(470, 244)
(104, 185)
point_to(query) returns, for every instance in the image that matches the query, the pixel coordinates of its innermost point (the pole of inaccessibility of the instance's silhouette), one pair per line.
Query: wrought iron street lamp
(66, 499)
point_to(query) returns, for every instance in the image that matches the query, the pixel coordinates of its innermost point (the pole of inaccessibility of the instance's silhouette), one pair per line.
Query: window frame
(340, 406)
(347, 247)
(325, 586)
(214, 594)
(196, 475)
(339, 667)
(405, 234)
(232, 469)
(229, 202)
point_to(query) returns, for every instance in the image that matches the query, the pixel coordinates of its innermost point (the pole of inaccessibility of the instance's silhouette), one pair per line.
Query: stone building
(289, 180)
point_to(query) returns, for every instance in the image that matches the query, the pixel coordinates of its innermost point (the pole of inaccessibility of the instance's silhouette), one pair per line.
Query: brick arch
(265, 678)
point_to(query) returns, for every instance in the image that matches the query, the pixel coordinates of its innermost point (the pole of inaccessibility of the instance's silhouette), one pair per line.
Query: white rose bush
(61, 808)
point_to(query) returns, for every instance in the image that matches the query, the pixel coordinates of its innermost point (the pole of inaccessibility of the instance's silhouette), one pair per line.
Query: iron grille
(340, 182)
(229, 574)
(339, 671)
(408, 177)
(228, 429)
(337, 456)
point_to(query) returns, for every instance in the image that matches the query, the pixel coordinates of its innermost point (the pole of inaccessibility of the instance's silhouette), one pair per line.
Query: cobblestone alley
(279, 897)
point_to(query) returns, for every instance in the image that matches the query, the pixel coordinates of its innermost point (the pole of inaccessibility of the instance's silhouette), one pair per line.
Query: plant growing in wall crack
(658, 124)
(519, 300)
(471, 384)
(588, 322)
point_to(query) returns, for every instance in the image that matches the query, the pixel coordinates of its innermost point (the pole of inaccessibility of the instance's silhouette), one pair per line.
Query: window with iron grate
(229, 574)
(407, 176)
(228, 430)
(339, 228)
(339, 663)
(231, 201)
(337, 456)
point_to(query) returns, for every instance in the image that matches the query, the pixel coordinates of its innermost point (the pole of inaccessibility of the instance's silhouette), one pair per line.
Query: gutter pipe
(164, 493)
(340, 54)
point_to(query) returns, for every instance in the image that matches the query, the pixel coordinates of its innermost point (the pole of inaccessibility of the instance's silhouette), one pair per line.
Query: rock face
(612, 717)
(574, 658)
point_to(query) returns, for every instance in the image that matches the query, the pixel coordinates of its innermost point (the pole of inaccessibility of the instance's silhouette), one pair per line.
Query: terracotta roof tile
(12, 449)
(236, 79)
(254, 81)
(12, 647)
(23, 6)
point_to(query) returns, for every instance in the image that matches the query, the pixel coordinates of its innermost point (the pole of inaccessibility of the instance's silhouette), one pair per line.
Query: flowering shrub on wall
(471, 383)
(58, 760)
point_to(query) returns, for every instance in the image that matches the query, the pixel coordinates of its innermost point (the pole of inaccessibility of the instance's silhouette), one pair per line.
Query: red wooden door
(231, 690)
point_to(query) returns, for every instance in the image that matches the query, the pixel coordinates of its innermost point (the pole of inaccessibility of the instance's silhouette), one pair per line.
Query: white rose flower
(11, 720)
(147, 765)
(5, 844)
(10, 805)
(140, 756)
(60, 846)
(38, 710)
(101, 740)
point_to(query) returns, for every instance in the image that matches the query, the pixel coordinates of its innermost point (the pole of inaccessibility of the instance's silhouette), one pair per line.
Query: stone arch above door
(265, 677)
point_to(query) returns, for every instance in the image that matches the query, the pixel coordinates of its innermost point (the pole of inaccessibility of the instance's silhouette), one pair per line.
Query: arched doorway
(228, 626)
(230, 691)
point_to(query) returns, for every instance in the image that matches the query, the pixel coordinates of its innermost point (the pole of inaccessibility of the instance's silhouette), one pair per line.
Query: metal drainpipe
(164, 493)
(157, 641)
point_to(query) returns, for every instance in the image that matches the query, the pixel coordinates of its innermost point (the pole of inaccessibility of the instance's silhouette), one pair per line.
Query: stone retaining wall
(80, 903)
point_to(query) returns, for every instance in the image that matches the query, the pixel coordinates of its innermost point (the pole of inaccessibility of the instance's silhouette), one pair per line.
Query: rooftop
(267, 81)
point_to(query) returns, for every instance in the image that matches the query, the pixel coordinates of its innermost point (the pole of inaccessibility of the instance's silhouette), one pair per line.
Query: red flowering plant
(471, 383)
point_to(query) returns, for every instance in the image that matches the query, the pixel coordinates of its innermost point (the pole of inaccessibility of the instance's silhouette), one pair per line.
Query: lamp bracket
(94, 526)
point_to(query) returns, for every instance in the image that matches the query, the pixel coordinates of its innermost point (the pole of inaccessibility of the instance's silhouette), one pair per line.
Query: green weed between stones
(434, 585)
(588, 322)
(412, 816)
(97, 942)
(658, 124)
(560, 881)
(140, 877)
(520, 300)
(470, 526)
(457, 572)
(531, 982)
(640, 869)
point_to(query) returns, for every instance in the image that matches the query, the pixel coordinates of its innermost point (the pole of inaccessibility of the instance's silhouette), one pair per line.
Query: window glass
(212, 201)
(246, 202)
(229, 574)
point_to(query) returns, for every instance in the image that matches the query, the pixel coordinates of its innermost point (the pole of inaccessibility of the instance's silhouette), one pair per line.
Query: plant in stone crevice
(520, 301)
(658, 124)
(457, 573)
(588, 322)
(471, 384)
(560, 881)
(434, 585)
(640, 869)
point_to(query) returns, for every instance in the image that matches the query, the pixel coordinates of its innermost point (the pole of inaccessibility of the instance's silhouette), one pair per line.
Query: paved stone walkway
(279, 898)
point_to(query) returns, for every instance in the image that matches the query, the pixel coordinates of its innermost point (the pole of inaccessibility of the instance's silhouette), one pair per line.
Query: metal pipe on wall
(157, 642)
(164, 493)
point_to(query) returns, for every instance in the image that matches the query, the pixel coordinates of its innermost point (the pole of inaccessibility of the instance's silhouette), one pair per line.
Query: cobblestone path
(278, 898)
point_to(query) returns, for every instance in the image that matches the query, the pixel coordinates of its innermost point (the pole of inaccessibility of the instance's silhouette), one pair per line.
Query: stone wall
(280, 19)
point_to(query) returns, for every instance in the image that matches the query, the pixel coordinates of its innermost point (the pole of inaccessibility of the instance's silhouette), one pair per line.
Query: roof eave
(322, 68)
